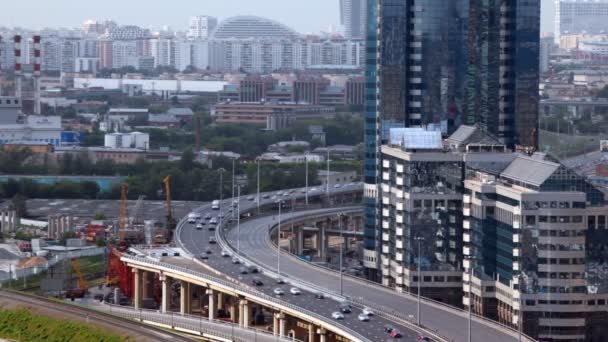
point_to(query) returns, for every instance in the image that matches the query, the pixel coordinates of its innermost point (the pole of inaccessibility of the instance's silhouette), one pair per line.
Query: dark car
(212, 240)
(319, 295)
(257, 282)
(388, 328)
(208, 250)
(98, 297)
(345, 308)
(244, 270)
(253, 269)
(396, 334)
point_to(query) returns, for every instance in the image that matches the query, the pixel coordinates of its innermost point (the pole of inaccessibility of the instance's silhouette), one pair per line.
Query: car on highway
(423, 338)
(204, 256)
(236, 261)
(208, 217)
(367, 311)
(211, 228)
(251, 198)
(395, 333)
(279, 291)
(295, 291)
(253, 269)
(345, 308)
(312, 190)
(388, 328)
(303, 191)
(319, 295)
(225, 253)
(212, 240)
(213, 220)
(191, 220)
(257, 281)
(266, 196)
(208, 250)
(199, 226)
(235, 203)
(337, 315)
(363, 317)
(280, 281)
(337, 186)
(243, 270)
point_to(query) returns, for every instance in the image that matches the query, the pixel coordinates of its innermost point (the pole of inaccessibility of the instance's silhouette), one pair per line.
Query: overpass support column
(311, 333)
(275, 324)
(300, 242)
(212, 309)
(220, 300)
(323, 240)
(137, 287)
(147, 284)
(233, 313)
(322, 334)
(282, 325)
(165, 301)
(185, 299)
(246, 314)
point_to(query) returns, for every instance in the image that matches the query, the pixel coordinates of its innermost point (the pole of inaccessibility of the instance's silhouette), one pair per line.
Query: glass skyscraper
(444, 63)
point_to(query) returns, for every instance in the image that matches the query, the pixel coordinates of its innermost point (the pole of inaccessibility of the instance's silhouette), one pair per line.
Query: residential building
(201, 27)
(136, 140)
(41, 129)
(353, 18)
(580, 16)
(254, 88)
(534, 240)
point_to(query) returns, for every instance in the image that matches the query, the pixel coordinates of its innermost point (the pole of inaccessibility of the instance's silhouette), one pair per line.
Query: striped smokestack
(37, 55)
(18, 68)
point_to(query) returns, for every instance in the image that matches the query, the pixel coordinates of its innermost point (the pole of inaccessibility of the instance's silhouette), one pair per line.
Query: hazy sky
(303, 15)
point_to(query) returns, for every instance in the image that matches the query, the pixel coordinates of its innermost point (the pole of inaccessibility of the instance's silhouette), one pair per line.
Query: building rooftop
(530, 170)
(251, 27)
(416, 138)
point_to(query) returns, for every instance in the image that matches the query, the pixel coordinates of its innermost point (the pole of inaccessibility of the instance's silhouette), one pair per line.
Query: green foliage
(18, 204)
(66, 236)
(100, 216)
(24, 325)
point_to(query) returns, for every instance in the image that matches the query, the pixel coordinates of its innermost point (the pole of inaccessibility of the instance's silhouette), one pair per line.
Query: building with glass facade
(503, 69)
(534, 250)
(416, 67)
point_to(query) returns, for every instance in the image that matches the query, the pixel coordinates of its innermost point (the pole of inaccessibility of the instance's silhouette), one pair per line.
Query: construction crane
(124, 218)
(83, 286)
(171, 224)
(137, 212)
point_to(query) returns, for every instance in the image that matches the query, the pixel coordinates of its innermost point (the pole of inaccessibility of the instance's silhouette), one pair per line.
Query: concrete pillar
(137, 288)
(212, 308)
(300, 242)
(184, 298)
(323, 243)
(220, 300)
(311, 333)
(146, 288)
(282, 325)
(275, 324)
(233, 312)
(3, 220)
(322, 335)
(165, 301)
(241, 314)
(246, 314)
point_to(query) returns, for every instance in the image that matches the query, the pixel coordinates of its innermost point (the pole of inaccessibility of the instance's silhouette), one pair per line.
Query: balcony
(466, 199)
(385, 213)
(386, 176)
(399, 180)
(399, 168)
(466, 237)
(385, 249)
(399, 232)
(386, 225)
(399, 244)
(516, 238)
(516, 252)
(386, 237)
(466, 212)
(399, 256)
(466, 250)
(399, 219)
(466, 224)
(386, 164)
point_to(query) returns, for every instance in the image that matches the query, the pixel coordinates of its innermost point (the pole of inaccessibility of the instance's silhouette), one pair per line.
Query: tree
(100, 216)
(65, 237)
(19, 205)
(187, 161)
(100, 242)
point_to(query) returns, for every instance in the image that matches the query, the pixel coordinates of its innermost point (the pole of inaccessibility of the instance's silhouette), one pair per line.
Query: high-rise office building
(416, 72)
(353, 15)
(580, 16)
(201, 27)
(503, 69)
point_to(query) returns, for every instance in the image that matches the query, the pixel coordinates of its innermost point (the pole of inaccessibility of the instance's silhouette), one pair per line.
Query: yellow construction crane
(83, 287)
(170, 220)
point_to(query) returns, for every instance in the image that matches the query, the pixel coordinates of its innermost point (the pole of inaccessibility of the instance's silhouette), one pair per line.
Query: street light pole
(279, 242)
(327, 178)
(258, 196)
(221, 171)
(341, 251)
(419, 239)
(306, 188)
(238, 222)
(232, 184)
(520, 322)
(470, 299)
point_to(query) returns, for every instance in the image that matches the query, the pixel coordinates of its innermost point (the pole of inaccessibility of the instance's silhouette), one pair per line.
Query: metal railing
(247, 291)
(195, 324)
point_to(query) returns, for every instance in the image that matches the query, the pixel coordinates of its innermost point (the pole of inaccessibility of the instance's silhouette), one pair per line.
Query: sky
(304, 16)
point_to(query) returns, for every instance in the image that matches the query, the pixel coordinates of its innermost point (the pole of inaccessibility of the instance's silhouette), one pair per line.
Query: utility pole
(221, 171)
(232, 185)
(306, 187)
(419, 239)
(327, 178)
(279, 241)
(341, 251)
(238, 222)
(258, 196)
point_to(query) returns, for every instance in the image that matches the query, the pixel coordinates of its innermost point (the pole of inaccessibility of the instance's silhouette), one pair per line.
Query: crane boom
(123, 206)
(170, 220)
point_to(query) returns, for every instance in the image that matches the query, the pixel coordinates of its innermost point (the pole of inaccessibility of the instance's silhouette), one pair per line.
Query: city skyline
(295, 15)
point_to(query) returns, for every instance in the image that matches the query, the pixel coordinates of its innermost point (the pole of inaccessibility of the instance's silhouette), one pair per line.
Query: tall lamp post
(327, 178)
(306, 187)
(341, 251)
(238, 222)
(419, 239)
(232, 185)
(258, 195)
(221, 171)
(279, 242)
(471, 272)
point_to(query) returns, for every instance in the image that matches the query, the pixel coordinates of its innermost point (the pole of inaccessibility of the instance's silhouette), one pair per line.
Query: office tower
(201, 27)
(353, 15)
(416, 72)
(580, 16)
(503, 63)
(534, 244)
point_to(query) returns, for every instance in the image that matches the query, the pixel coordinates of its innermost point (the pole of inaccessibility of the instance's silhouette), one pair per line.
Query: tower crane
(171, 224)
(124, 218)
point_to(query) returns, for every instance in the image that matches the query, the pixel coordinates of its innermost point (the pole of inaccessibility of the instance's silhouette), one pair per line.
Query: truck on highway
(215, 205)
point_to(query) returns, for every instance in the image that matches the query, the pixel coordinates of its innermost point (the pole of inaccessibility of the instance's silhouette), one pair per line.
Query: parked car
(395, 334)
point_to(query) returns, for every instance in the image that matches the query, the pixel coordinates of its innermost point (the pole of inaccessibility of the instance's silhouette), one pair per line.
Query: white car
(251, 198)
(199, 226)
(337, 315)
(225, 253)
(213, 221)
(367, 312)
(363, 317)
(278, 291)
(295, 291)
(191, 221)
(337, 185)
